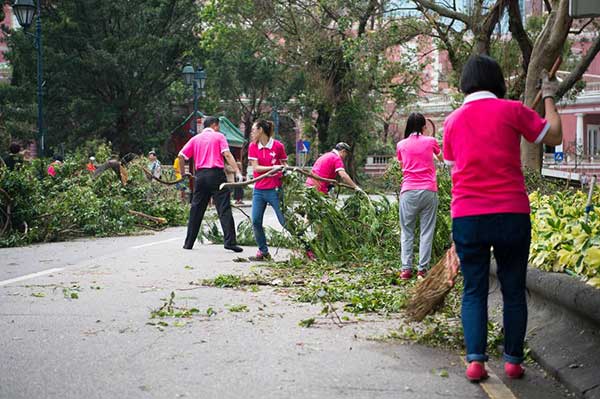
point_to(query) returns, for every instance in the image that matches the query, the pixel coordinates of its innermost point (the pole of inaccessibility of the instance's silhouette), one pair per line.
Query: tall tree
(246, 72)
(108, 68)
(342, 49)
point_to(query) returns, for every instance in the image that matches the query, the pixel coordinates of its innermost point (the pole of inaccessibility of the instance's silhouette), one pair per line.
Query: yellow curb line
(493, 386)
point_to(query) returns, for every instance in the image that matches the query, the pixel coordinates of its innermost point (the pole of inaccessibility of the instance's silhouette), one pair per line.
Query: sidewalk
(563, 328)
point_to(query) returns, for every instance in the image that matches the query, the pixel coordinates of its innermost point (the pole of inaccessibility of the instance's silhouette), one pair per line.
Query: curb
(567, 292)
(564, 329)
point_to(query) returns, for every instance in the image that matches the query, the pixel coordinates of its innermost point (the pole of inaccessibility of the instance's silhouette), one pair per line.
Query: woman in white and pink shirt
(490, 207)
(265, 154)
(418, 195)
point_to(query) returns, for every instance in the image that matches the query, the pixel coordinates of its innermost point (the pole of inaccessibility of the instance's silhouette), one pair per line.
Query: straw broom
(429, 293)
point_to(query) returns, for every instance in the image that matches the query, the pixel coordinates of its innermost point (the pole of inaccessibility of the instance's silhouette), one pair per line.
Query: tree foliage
(108, 69)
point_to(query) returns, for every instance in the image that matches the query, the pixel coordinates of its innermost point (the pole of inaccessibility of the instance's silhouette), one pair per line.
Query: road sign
(584, 8)
(559, 157)
(306, 146)
(303, 146)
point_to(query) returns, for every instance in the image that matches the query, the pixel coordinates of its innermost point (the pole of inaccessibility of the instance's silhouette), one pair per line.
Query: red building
(8, 22)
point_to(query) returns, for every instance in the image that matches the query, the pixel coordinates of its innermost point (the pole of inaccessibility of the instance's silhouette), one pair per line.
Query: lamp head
(24, 11)
(188, 74)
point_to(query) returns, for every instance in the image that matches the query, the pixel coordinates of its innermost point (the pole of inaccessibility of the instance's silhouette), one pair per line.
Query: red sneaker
(260, 257)
(476, 372)
(513, 370)
(405, 274)
(421, 274)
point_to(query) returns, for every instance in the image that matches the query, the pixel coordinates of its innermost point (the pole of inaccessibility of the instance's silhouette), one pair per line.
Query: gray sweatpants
(413, 204)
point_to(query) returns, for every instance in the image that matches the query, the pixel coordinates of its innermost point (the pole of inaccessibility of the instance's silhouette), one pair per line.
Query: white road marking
(32, 275)
(157, 242)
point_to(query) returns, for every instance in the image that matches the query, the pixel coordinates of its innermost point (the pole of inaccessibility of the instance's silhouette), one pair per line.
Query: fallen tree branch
(144, 216)
(7, 222)
(287, 168)
(251, 181)
(168, 183)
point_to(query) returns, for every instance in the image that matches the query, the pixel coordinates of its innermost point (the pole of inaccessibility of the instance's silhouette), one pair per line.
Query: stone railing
(377, 164)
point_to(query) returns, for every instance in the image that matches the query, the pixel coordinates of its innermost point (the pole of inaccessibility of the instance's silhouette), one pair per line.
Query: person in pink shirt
(209, 150)
(57, 161)
(490, 207)
(329, 166)
(418, 195)
(265, 154)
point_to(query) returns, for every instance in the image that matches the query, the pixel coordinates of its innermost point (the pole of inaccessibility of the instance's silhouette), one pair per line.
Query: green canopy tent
(183, 132)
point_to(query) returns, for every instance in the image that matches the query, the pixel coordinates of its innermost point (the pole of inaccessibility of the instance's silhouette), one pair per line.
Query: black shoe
(187, 247)
(234, 248)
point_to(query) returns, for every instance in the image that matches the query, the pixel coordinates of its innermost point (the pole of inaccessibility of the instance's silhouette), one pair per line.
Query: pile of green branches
(355, 227)
(75, 204)
(350, 227)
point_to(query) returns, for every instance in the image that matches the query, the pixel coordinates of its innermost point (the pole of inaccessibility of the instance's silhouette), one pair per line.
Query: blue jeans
(510, 235)
(260, 199)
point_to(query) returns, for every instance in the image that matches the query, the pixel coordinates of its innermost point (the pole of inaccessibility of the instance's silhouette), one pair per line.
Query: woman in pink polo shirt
(418, 195)
(490, 207)
(265, 154)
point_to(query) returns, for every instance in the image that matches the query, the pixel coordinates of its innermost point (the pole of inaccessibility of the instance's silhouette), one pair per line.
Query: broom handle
(588, 204)
(551, 75)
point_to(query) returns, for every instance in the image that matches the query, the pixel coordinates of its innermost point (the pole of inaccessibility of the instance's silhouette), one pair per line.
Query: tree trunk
(248, 120)
(120, 135)
(322, 124)
(386, 132)
(547, 48)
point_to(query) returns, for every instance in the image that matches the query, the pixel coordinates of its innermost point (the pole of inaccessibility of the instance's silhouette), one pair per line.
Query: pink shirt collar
(479, 95)
(269, 144)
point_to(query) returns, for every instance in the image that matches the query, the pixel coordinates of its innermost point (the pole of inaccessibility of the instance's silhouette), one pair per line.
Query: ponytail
(267, 126)
(414, 124)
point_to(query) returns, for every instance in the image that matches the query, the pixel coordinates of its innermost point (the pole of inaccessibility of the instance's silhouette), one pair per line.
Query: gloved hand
(360, 190)
(277, 167)
(239, 177)
(549, 86)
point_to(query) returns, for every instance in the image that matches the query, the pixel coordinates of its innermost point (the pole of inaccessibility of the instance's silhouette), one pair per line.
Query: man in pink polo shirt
(328, 166)
(208, 150)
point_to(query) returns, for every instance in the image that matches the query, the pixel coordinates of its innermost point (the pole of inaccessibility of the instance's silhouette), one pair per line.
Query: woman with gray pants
(418, 195)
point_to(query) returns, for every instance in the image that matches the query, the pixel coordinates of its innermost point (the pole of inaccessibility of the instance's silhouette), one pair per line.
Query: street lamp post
(196, 78)
(24, 11)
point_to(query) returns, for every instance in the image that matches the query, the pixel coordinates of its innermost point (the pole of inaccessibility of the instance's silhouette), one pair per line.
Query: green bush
(74, 203)
(562, 240)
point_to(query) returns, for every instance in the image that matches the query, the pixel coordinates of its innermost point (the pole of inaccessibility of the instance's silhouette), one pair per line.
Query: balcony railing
(592, 87)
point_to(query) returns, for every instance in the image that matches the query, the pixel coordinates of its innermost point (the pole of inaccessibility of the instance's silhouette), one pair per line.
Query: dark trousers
(238, 193)
(510, 235)
(206, 185)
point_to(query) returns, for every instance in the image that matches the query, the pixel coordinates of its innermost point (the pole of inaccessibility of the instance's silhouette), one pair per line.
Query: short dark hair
(414, 124)
(57, 157)
(342, 146)
(210, 120)
(14, 148)
(482, 72)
